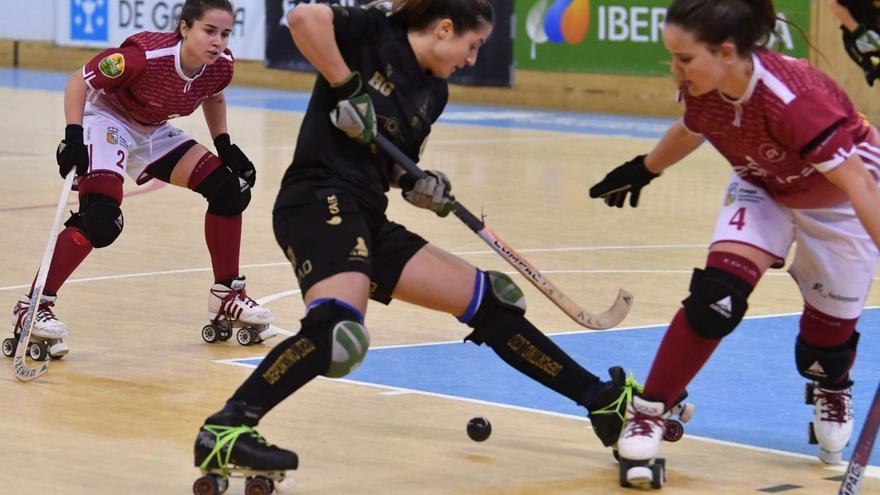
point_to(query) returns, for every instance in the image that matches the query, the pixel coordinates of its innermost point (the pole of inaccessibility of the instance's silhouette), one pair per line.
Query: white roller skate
(231, 310)
(647, 424)
(832, 424)
(47, 332)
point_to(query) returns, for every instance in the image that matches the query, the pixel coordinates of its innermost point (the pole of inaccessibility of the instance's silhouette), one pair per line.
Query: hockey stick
(855, 472)
(601, 321)
(22, 371)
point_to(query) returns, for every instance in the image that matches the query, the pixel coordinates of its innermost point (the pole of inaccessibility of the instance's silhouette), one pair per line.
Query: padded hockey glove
(630, 178)
(231, 155)
(431, 193)
(354, 114)
(867, 60)
(71, 152)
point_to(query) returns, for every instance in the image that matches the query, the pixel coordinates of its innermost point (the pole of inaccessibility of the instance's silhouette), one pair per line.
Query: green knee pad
(349, 344)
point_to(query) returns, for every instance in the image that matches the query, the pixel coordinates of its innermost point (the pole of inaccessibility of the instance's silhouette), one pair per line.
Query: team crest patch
(112, 135)
(112, 65)
(730, 197)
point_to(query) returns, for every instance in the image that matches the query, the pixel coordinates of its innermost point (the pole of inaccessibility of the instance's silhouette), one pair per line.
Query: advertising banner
(619, 36)
(494, 65)
(104, 23)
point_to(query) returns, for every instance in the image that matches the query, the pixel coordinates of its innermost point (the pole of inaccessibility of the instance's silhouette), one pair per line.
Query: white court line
(458, 253)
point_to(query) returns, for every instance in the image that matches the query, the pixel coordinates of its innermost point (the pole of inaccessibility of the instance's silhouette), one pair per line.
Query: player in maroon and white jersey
(116, 110)
(805, 169)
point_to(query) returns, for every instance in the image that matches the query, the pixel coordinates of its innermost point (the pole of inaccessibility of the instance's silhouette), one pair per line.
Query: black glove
(630, 178)
(71, 152)
(860, 46)
(232, 156)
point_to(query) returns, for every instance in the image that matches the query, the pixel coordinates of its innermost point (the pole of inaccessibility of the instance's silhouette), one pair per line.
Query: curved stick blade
(610, 318)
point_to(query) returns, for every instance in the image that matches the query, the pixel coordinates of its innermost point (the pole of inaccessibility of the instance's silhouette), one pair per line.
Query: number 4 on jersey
(738, 219)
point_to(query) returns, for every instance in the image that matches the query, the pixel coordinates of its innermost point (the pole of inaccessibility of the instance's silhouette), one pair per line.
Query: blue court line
(749, 392)
(481, 115)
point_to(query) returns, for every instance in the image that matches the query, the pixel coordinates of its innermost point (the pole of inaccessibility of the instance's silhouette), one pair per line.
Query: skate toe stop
(830, 457)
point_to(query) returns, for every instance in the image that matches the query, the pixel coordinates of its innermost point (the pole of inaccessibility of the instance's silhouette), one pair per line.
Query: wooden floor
(119, 413)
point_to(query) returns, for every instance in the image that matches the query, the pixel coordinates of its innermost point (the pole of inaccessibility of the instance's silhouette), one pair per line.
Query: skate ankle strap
(225, 437)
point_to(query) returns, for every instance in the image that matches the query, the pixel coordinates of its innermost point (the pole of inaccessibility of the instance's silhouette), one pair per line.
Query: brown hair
(193, 10)
(747, 23)
(466, 15)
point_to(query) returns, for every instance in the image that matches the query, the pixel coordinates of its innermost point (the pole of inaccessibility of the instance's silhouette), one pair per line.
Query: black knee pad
(227, 193)
(825, 365)
(717, 303)
(99, 219)
(339, 331)
(502, 299)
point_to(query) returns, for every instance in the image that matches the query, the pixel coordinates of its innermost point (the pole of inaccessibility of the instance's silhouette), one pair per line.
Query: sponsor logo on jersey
(112, 65)
(112, 135)
(381, 84)
(770, 153)
(730, 197)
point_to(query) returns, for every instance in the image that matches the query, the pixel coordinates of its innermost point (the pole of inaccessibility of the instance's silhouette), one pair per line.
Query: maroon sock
(683, 352)
(223, 236)
(825, 332)
(71, 249)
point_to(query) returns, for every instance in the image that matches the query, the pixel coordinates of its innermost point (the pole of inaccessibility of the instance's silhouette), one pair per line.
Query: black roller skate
(47, 332)
(232, 311)
(227, 446)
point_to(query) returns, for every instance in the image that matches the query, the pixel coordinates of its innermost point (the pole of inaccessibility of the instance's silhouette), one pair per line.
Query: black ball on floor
(479, 429)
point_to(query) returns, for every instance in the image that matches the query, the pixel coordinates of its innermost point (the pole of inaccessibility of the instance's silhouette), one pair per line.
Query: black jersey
(865, 12)
(407, 101)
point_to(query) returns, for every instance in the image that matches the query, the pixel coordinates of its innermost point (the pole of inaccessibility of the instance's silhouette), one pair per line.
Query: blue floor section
(748, 393)
(498, 117)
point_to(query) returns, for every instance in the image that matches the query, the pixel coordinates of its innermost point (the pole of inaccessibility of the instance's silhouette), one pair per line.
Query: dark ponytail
(466, 15)
(749, 24)
(193, 10)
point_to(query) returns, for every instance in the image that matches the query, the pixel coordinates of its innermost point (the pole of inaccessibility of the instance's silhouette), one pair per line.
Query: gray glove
(431, 192)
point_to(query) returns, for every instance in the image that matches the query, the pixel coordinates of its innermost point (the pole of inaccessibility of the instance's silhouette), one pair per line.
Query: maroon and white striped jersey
(142, 80)
(792, 123)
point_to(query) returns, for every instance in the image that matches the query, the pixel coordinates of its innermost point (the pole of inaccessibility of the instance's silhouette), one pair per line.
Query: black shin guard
(503, 327)
(295, 361)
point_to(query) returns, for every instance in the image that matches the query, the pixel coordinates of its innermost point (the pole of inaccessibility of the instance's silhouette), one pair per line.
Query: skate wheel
(9, 346)
(225, 334)
(809, 389)
(245, 336)
(673, 431)
(258, 485)
(686, 412)
(209, 334)
(38, 351)
(658, 474)
(811, 434)
(209, 485)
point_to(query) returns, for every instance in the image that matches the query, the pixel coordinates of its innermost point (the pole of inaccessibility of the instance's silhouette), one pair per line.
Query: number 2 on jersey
(738, 219)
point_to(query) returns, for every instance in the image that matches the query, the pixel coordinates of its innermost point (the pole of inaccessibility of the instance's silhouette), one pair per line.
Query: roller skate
(832, 423)
(232, 311)
(227, 446)
(47, 332)
(647, 424)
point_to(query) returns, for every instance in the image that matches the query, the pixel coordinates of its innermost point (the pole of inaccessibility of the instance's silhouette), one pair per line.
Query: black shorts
(333, 234)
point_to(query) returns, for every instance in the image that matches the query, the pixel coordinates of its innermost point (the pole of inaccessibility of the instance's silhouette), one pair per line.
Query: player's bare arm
(75, 98)
(863, 192)
(677, 143)
(311, 27)
(214, 109)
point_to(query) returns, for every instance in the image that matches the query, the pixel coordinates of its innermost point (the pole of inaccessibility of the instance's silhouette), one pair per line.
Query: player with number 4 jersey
(806, 166)
(117, 107)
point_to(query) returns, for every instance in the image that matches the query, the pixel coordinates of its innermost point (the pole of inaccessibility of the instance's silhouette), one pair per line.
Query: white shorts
(124, 148)
(834, 260)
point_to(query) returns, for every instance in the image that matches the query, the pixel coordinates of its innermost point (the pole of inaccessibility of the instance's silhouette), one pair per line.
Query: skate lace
(234, 302)
(44, 313)
(835, 406)
(629, 387)
(224, 440)
(642, 425)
